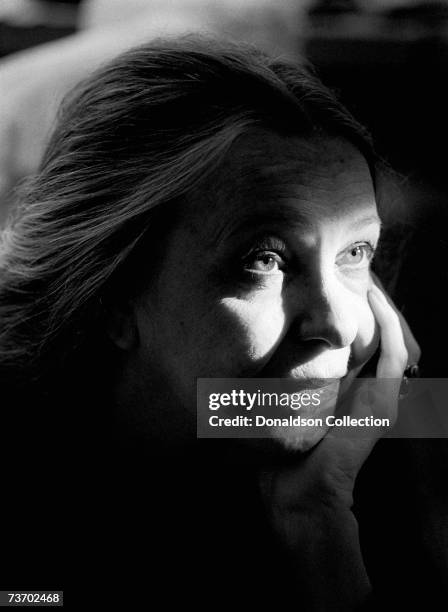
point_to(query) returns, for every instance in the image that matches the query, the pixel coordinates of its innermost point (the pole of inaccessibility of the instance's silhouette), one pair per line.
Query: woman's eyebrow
(277, 218)
(362, 222)
(254, 221)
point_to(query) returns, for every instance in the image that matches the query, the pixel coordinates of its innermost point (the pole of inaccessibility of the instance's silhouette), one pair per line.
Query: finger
(411, 343)
(393, 355)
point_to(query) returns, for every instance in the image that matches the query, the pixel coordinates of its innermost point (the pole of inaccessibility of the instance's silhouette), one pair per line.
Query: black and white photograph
(223, 305)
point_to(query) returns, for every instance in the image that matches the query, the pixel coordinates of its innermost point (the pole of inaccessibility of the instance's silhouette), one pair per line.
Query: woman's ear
(121, 325)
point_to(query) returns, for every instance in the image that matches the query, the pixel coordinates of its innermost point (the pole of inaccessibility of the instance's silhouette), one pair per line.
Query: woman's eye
(360, 253)
(264, 261)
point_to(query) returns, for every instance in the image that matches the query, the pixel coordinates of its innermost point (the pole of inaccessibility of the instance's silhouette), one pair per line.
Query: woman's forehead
(301, 180)
(268, 157)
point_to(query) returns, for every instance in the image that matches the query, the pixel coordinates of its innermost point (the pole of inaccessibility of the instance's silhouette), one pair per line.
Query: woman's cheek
(367, 338)
(256, 329)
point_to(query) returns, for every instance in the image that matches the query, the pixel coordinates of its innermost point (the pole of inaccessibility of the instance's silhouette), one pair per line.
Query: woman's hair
(142, 131)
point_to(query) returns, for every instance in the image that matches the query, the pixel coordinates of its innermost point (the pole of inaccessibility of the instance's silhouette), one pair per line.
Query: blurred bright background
(387, 60)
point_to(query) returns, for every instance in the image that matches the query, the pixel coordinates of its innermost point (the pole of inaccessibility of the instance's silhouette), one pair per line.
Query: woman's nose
(329, 316)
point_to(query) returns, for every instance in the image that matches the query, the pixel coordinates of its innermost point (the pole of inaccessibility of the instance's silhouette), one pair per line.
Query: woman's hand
(411, 343)
(310, 503)
(329, 470)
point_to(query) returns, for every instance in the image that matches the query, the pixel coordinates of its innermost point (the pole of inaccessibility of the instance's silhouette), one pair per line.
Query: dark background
(389, 67)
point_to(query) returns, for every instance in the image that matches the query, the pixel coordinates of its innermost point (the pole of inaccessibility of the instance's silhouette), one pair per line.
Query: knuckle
(403, 356)
(399, 359)
(414, 352)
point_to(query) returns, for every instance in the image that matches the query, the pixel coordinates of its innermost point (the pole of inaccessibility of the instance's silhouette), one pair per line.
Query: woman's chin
(312, 423)
(295, 439)
(282, 442)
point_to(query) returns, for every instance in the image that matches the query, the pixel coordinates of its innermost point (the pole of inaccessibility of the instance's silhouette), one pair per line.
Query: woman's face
(265, 273)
